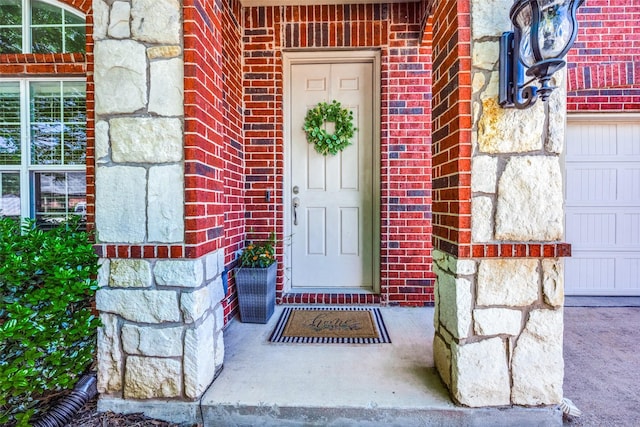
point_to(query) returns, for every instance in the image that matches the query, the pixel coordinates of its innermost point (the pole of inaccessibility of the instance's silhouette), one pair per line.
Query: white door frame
(290, 58)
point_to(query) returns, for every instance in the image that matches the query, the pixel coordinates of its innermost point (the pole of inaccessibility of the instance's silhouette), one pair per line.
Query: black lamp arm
(513, 91)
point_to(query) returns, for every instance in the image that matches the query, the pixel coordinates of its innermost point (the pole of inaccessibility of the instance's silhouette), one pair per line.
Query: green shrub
(47, 329)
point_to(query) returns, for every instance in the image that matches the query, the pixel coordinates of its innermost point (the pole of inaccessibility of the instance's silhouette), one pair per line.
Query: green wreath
(323, 141)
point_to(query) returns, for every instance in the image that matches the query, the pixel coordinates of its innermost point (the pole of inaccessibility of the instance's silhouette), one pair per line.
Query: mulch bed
(89, 416)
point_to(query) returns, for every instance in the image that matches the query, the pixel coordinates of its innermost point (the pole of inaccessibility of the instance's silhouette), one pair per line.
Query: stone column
(499, 300)
(161, 312)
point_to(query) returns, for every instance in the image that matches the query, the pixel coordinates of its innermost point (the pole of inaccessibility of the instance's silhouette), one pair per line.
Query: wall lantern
(544, 31)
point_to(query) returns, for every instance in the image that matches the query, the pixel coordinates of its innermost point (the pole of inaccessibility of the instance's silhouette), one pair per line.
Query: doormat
(327, 325)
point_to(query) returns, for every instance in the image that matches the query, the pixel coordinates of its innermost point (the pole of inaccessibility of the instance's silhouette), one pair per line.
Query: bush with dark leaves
(47, 328)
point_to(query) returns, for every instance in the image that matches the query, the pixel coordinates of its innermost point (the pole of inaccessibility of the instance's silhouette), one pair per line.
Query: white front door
(331, 202)
(603, 205)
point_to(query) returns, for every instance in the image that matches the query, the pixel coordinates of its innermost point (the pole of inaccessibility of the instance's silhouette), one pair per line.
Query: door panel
(603, 208)
(332, 226)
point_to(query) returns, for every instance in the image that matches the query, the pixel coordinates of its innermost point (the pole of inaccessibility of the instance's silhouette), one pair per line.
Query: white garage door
(603, 205)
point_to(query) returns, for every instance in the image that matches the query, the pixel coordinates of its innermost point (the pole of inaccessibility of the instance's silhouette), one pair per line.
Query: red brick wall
(234, 192)
(214, 140)
(604, 64)
(406, 276)
(452, 128)
(203, 125)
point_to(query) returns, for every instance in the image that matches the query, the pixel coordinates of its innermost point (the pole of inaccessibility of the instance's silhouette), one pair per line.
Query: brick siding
(452, 129)
(406, 276)
(234, 124)
(233, 107)
(604, 64)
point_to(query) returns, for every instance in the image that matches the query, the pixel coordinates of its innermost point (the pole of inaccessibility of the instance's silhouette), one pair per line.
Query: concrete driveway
(602, 360)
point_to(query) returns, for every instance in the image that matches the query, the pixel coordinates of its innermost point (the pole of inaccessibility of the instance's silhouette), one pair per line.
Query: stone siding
(499, 340)
(516, 179)
(162, 327)
(498, 311)
(162, 318)
(139, 94)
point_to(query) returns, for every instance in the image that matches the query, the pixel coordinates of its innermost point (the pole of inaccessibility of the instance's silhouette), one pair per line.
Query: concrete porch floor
(393, 384)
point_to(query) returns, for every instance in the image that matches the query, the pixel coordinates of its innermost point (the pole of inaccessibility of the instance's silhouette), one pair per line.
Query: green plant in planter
(47, 329)
(259, 255)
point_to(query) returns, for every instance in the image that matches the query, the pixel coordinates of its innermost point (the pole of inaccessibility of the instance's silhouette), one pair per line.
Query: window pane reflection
(58, 195)
(58, 123)
(9, 123)
(10, 194)
(10, 27)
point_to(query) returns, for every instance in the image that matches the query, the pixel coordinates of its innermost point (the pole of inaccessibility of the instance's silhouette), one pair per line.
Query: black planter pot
(256, 293)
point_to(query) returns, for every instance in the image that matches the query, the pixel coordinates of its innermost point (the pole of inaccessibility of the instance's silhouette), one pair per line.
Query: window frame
(26, 26)
(25, 169)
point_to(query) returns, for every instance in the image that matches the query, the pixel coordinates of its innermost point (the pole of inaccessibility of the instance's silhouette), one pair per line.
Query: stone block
(466, 267)
(157, 21)
(152, 341)
(497, 321)
(120, 75)
(211, 265)
(166, 204)
(442, 360)
(220, 260)
(100, 19)
(217, 290)
(507, 282)
(130, 273)
(480, 373)
(146, 140)
(557, 115)
(485, 54)
(109, 355)
(218, 315)
(553, 282)
(478, 82)
(166, 95)
(454, 305)
(182, 273)
(441, 260)
(436, 307)
(481, 219)
(143, 306)
(149, 377)
(104, 270)
(537, 365)
(509, 130)
(218, 339)
(487, 22)
(119, 20)
(120, 204)
(166, 52)
(199, 348)
(493, 87)
(195, 304)
(530, 200)
(102, 141)
(451, 264)
(484, 174)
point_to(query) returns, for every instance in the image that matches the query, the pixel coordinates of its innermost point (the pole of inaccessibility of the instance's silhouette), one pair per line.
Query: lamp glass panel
(524, 21)
(555, 28)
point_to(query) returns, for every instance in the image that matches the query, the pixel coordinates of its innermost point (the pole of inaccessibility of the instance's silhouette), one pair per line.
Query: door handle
(296, 203)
